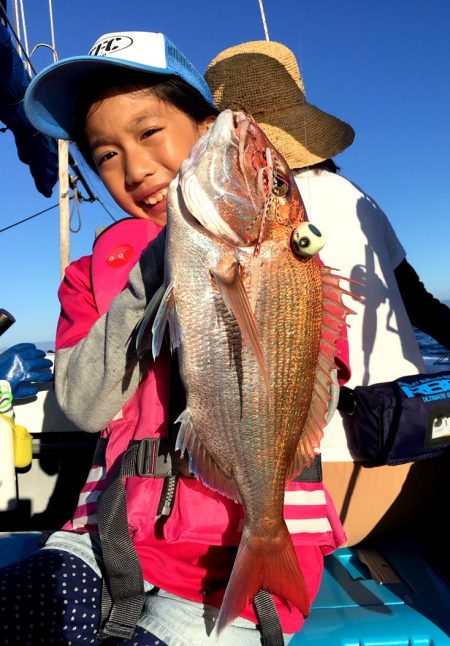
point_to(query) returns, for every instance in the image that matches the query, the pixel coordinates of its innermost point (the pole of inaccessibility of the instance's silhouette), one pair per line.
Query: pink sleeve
(78, 309)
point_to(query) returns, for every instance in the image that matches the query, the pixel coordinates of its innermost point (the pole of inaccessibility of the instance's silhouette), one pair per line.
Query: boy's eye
(100, 160)
(150, 132)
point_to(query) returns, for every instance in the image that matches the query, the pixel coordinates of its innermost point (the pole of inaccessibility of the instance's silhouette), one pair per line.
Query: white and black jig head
(307, 240)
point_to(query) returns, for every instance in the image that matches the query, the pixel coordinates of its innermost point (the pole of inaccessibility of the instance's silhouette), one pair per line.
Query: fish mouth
(213, 171)
(202, 176)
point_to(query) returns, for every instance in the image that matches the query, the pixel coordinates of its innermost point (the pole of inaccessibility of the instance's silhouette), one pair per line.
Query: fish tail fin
(262, 564)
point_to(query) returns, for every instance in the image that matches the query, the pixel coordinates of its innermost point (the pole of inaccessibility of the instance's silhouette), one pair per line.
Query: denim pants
(54, 597)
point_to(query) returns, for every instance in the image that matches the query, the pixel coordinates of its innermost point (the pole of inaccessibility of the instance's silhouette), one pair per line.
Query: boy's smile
(138, 142)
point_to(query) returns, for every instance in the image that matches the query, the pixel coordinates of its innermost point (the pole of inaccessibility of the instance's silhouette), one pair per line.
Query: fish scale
(256, 343)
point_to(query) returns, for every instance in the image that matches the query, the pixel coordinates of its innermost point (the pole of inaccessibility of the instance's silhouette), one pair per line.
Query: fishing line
(263, 18)
(52, 28)
(302, 115)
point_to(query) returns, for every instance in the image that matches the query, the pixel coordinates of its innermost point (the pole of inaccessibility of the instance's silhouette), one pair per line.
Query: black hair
(170, 89)
(326, 164)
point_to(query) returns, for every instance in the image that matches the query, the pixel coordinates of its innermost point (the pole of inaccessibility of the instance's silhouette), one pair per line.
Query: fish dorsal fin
(235, 297)
(201, 462)
(325, 390)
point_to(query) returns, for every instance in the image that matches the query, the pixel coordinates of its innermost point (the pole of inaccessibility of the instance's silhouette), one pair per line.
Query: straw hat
(262, 78)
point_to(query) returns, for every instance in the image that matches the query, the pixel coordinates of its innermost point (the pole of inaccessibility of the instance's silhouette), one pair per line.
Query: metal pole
(64, 211)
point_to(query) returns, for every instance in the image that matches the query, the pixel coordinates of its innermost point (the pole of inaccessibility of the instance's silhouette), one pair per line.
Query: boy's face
(138, 143)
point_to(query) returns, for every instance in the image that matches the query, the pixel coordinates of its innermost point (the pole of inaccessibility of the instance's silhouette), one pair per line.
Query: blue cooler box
(411, 607)
(15, 546)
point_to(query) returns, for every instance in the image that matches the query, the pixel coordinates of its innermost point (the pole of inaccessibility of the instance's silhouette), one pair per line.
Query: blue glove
(23, 364)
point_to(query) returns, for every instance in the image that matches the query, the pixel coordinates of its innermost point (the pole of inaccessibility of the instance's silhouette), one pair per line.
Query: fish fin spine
(333, 320)
(144, 325)
(166, 315)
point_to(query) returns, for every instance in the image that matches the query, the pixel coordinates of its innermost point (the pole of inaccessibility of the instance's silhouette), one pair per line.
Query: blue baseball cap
(50, 98)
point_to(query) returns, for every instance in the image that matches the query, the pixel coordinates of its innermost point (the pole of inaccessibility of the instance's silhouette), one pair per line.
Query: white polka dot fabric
(53, 597)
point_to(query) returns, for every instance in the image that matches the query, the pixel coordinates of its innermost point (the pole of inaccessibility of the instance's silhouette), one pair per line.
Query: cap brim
(50, 98)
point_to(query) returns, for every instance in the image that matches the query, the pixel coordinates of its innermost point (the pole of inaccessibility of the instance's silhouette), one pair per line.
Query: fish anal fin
(201, 463)
(234, 295)
(166, 314)
(262, 563)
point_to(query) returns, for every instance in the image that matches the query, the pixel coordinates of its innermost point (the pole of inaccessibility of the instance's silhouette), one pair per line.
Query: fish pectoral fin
(143, 337)
(235, 297)
(201, 463)
(166, 314)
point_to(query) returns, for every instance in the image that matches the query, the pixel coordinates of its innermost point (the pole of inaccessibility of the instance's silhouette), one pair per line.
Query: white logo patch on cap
(138, 47)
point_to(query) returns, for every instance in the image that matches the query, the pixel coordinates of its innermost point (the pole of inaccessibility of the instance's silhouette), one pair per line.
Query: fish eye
(307, 240)
(280, 185)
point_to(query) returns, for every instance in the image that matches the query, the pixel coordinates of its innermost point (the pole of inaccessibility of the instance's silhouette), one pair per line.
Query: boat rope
(263, 18)
(79, 199)
(10, 226)
(79, 176)
(52, 32)
(16, 18)
(73, 164)
(104, 206)
(24, 27)
(75, 213)
(20, 47)
(19, 15)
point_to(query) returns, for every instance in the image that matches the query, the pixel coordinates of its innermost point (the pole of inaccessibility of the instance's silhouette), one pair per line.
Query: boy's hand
(22, 365)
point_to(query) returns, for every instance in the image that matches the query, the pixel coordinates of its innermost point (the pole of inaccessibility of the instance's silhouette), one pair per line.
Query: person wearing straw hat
(263, 79)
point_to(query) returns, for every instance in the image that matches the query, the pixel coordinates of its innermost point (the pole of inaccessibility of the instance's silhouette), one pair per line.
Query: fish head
(237, 185)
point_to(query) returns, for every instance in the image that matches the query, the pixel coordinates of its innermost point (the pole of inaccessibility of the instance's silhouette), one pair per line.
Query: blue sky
(382, 66)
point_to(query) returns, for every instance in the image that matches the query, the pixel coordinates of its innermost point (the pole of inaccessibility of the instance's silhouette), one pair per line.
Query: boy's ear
(209, 121)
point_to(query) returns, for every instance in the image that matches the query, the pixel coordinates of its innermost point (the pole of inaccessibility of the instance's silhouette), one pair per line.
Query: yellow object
(22, 443)
(23, 447)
